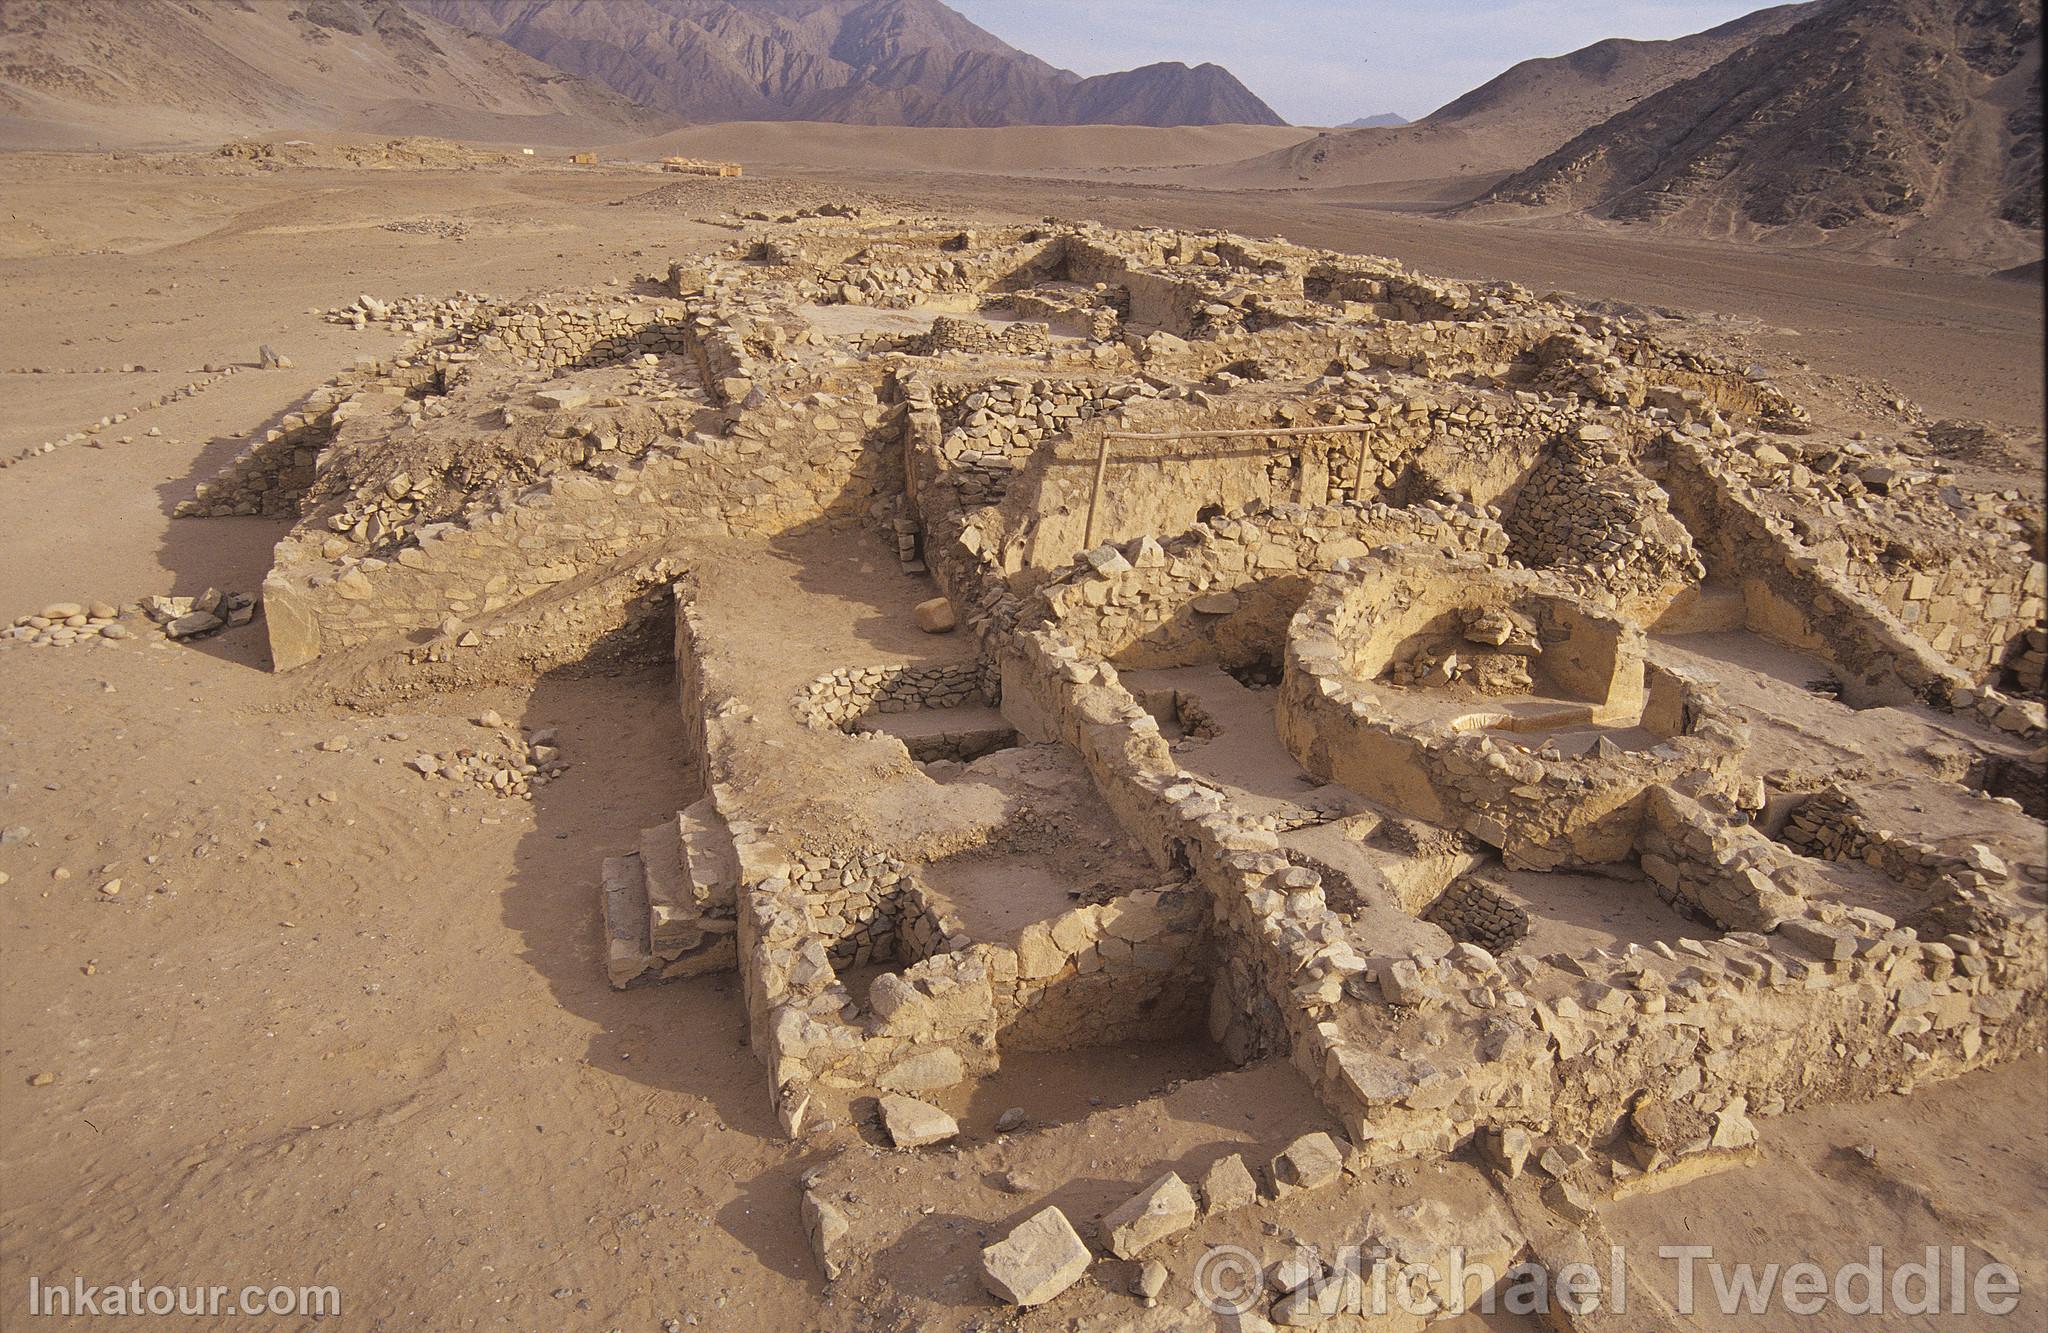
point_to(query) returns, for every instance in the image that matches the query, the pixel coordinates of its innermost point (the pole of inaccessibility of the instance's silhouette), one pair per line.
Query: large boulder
(1228, 1185)
(913, 1124)
(1159, 1210)
(1037, 1261)
(824, 1226)
(1310, 1162)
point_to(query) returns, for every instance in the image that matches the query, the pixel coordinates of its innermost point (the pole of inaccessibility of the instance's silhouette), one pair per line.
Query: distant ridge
(1874, 117)
(864, 62)
(1517, 117)
(1384, 120)
(171, 71)
(1588, 85)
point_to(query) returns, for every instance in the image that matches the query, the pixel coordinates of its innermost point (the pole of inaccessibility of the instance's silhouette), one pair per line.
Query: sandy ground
(1060, 150)
(341, 1025)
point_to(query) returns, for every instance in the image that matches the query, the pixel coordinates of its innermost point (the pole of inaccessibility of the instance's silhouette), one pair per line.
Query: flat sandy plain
(331, 1031)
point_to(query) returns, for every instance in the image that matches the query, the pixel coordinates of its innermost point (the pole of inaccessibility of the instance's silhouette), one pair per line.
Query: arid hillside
(1516, 118)
(139, 72)
(1890, 123)
(868, 62)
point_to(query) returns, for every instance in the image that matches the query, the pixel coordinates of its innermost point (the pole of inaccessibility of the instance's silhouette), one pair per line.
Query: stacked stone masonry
(1452, 560)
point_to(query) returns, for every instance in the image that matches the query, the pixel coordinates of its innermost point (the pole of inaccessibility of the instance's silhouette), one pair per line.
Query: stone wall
(1792, 596)
(1959, 567)
(868, 908)
(1712, 868)
(1582, 508)
(1748, 1023)
(850, 694)
(1831, 826)
(783, 464)
(273, 474)
(1134, 968)
(548, 335)
(1839, 1002)
(1543, 808)
(1128, 969)
(1975, 616)
(992, 428)
(1404, 456)
(1224, 590)
(1474, 912)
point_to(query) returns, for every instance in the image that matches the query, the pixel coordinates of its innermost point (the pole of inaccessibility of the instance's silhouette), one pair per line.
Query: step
(623, 891)
(672, 906)
(710, 861)
(630, 959)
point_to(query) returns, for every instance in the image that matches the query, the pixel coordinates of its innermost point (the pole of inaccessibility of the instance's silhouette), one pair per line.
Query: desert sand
(328, 1031)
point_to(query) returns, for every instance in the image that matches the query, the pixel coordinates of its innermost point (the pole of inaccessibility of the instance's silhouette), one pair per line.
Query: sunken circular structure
(1486, 699)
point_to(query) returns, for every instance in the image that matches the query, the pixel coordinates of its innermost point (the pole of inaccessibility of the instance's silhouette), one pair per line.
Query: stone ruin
(1427, 686)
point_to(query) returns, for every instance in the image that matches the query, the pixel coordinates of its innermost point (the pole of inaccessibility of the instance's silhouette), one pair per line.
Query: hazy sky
(1323, 62)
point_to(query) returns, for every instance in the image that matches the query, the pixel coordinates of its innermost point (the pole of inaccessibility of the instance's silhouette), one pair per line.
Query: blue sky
(1322, 62)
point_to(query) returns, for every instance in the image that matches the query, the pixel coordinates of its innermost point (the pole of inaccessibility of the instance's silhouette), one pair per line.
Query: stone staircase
(669, 907)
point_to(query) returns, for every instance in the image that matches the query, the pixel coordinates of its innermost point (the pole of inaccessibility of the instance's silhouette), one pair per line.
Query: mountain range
(1911, 124)
(75, 72)
(1515, 118)
(1867, 115)
(865, 62)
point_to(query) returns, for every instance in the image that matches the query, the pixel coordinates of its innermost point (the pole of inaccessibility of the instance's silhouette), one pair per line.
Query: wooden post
(1095, 494)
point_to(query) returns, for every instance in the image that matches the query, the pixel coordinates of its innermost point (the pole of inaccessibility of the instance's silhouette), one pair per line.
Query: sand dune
(1346, 159)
